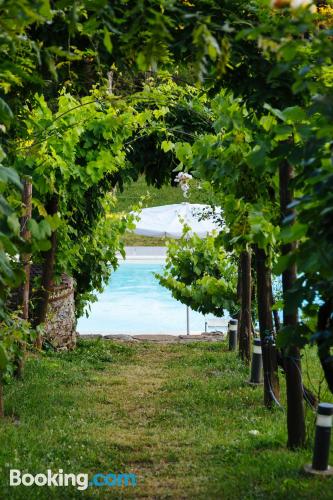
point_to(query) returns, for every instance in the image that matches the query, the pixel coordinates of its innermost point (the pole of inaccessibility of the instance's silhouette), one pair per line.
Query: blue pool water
(134, 302)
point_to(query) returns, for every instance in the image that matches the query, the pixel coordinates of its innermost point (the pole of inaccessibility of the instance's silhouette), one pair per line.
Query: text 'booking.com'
(81, 481)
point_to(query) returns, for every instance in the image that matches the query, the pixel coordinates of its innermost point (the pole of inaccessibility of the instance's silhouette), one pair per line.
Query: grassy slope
(164, 196)
(179, 416)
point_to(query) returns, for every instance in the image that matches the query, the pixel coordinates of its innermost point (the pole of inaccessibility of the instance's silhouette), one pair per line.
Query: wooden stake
(2, 410)
(25, 260)
(47, 274)
(26, 235)
(245, 328)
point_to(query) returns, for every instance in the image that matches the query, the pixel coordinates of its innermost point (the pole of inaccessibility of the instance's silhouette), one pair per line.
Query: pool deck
(144, 254)
(162, 338)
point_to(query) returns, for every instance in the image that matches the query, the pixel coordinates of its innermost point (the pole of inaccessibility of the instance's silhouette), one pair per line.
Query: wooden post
(277, 323)
(292, 362)
(239, 298)
(47, 274)
(245, 327)
(269, 352)
(25, 261)
(26, 235)
(2, 409)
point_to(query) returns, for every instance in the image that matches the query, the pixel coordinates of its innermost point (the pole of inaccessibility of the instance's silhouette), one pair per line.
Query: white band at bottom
(324, 420)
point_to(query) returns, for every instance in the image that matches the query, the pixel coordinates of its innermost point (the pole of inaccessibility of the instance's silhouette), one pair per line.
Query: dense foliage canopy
(95, 93)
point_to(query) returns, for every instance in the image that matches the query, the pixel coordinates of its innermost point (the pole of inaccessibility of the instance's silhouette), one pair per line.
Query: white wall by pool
(134, 302)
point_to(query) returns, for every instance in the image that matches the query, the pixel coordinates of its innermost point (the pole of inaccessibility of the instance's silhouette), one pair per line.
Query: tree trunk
(324, 347)
(239, 298)
(292, 362)
(47, 274)
(245, 317)
(2, 408)
(269, 351)
(25, 260)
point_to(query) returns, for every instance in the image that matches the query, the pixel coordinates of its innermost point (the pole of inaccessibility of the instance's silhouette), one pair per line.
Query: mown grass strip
(180, 416)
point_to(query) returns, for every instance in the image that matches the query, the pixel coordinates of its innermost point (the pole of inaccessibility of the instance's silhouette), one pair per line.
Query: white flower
(183, 177)
(254, 432)
(296, 4)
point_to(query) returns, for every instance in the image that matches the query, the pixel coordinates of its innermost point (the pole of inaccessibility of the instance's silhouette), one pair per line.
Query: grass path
(179, 416)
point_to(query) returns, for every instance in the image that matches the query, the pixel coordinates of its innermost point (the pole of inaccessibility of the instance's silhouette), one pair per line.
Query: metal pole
(256, 367)
(187, 320)
(322, 441)
(232, 334)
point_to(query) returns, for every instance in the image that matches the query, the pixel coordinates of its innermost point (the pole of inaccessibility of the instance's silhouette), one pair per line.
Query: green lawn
(179, 416)
(153, 197)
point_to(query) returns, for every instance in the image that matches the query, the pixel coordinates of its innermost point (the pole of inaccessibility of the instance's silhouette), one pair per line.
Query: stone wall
(60, 327)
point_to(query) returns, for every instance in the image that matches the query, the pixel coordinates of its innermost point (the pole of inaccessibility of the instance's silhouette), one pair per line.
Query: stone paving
(203, 337)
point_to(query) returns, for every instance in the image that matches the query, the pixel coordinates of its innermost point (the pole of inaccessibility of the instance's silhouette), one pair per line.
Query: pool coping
(157, 338)
(140, 253)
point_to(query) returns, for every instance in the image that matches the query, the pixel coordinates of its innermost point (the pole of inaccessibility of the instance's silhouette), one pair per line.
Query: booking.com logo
(80, 481)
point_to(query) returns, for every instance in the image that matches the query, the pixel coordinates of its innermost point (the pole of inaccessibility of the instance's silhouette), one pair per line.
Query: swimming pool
(134, 302)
